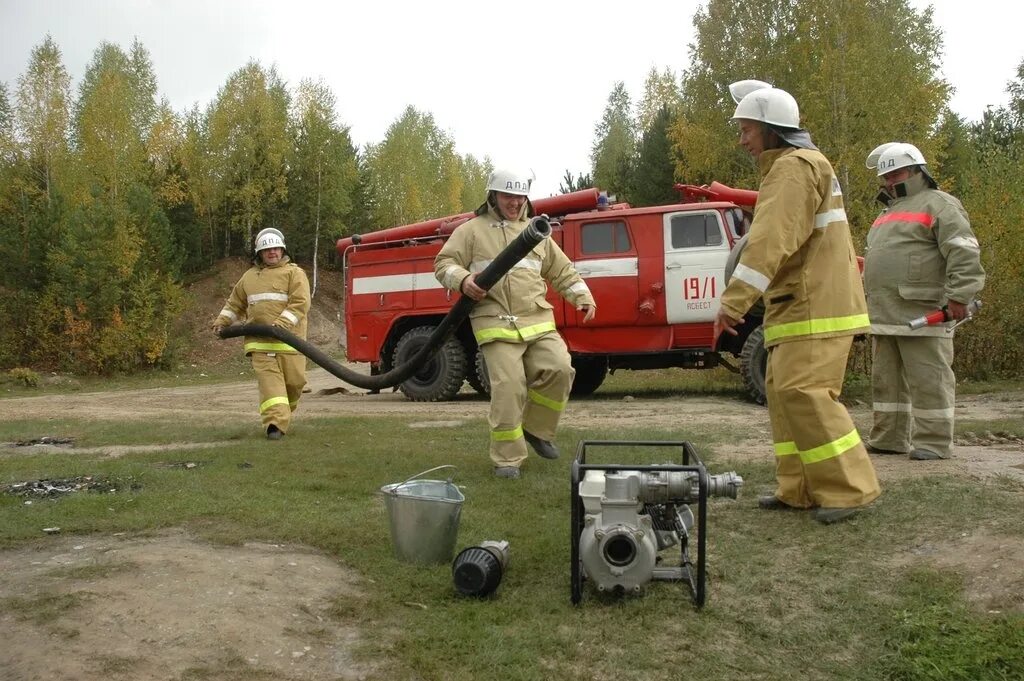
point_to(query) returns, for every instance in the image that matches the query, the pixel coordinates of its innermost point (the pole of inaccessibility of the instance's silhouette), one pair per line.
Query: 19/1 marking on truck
(697, 288)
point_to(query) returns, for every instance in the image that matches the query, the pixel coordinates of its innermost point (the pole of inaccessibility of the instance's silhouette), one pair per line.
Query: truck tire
(590, 374)
(476, 376)
(441, 378)
(754, 365)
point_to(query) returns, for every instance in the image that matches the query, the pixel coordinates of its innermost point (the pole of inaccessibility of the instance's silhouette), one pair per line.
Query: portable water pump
(625, 516)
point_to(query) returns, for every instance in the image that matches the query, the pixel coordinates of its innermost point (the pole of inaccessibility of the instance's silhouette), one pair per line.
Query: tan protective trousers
(820, 460)
(530, 383)
(912, 380)
(281, 378)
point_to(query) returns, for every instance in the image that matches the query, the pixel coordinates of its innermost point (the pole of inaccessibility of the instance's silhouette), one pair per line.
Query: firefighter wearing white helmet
(528, 365)
(269, 238)
(799, 259)
(510, 182)
(921, 255)
(273, 291)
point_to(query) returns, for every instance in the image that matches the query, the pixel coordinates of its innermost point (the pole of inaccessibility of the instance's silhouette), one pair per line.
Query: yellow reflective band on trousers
(822, 452)
(525, 333)
(786, 448)
(811, 327)
(268, 347)
(553, 405)
(507, 435)
(271, 402)
(832, 449)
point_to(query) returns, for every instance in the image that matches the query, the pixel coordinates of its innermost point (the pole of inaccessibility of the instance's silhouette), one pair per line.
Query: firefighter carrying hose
(921, 254)
(273, 291)
(800, 258)
(528, 364)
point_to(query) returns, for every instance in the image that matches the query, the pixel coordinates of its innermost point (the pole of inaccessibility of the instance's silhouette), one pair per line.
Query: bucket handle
(429, 470)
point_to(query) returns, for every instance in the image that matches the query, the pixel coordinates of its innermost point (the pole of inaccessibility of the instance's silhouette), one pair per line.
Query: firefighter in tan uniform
(273, 291)
(528, 365)
(921, 255)
(800, 259)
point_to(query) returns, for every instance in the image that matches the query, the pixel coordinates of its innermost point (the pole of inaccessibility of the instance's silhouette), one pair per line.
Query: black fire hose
(535, 232)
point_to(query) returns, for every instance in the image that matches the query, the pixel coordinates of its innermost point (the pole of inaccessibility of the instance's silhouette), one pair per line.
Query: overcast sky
(550, 63)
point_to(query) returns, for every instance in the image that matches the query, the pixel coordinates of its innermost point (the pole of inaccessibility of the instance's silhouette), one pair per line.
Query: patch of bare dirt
(991, 566)
(157, 607)
(112, 451)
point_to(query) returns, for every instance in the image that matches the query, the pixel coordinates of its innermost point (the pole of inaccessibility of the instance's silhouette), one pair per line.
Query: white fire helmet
(510, 182)
(891, 156)
(269, 238)
(758, 101)
(742, 88)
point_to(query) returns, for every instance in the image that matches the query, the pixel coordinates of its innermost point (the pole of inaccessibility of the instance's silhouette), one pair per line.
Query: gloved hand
(218, 326)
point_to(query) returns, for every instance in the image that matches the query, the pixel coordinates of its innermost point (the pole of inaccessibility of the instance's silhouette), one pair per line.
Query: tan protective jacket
(921, 252)
(277, 295)
(515, 309)
(799, 254)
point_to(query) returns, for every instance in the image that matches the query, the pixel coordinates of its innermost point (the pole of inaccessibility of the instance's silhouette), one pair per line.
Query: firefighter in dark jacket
(921, 255)
(528, 364)
(800, 258)
(273, 291)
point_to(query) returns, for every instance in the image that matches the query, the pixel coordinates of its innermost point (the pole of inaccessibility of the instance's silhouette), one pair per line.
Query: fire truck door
(606, 258)
(696, 249)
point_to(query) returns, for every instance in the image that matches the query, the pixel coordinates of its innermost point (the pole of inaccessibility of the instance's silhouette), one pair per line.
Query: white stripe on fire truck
(607, 267)
(394, 283)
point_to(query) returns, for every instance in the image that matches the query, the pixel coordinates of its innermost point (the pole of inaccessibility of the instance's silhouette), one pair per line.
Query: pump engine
(624, 517)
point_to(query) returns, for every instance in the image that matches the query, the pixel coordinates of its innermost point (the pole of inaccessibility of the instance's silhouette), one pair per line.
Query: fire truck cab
(656, 274)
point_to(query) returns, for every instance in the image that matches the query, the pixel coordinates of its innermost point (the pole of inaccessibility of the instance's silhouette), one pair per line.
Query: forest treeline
(110, 199)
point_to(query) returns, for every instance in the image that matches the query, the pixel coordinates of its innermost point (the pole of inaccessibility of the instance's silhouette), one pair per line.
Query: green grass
(933, 637)
(788, 598)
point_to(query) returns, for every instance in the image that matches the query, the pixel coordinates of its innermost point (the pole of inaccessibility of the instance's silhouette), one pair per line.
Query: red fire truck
(656, 274)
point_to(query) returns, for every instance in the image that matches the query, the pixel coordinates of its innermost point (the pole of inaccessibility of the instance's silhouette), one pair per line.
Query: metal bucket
(424, 518)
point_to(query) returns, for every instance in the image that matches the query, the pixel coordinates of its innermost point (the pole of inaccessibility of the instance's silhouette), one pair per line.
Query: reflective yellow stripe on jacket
(815, 327)
(513, 334)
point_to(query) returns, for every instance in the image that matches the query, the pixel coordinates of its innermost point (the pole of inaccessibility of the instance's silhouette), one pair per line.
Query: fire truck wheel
(754, 365)
(477, 375)
(590, 374)
(438, 380)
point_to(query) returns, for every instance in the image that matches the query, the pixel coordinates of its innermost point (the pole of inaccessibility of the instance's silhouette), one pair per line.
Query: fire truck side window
(604, 237)
(696, 230)
(738, 221)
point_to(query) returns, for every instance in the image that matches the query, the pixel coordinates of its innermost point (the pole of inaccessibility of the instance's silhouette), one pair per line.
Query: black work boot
(878, 450)
(274, 433)
(773, 503)
(544, 448)
(830, 516)
(924, 455)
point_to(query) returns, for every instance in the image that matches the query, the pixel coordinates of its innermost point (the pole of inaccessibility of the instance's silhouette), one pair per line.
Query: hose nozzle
(539, 228)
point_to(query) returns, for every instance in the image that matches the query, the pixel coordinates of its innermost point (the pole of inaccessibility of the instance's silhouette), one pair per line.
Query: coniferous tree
(614, 147)
(652, 178)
